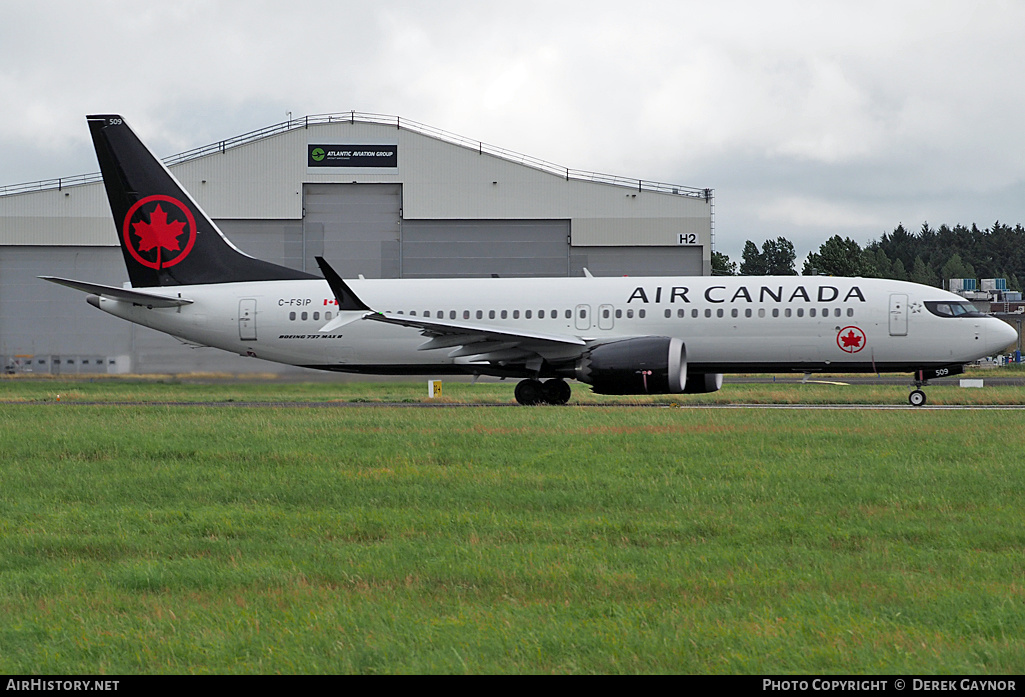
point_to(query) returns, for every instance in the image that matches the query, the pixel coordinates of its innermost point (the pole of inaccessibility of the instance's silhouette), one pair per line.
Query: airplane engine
(645, 365)
(700, 383)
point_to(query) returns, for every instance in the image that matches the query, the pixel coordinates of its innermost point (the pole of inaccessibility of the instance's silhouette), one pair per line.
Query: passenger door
(898, 314)
(247, 319)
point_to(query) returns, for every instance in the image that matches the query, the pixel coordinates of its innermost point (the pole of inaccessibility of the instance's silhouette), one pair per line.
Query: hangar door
(479, 248)
(354, 226)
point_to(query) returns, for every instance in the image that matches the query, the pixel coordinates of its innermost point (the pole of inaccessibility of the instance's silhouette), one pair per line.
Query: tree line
(929, 256)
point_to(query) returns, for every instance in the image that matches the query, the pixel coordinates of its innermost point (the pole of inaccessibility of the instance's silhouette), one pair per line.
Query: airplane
(623, 335)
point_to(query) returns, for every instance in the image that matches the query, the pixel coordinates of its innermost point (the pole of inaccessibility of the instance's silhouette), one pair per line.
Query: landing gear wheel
(530, 392)
(917, 398)
(556, 391)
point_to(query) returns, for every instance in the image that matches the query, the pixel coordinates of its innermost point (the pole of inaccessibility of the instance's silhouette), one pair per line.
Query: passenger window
(451, 314)
(505, 314)
(775, 312)
(480, 314)
(491, 314)
(681, 313)
(836, 312)
(291, 316)
(708, 313)
(555, 314)
(316, 315)
(605, 313)
(811, 312)
(669, 313)
(327, 315)
(641, 313)
(540, 314)
(719, 312)
(527, 314)
(516, 314)
(304, 316)
(850, 311)
(734, 312)
(786, 312)
(800, 312)
(629, 314)
(761, 312)
(747, 312)
(569, 314)
(619, 314)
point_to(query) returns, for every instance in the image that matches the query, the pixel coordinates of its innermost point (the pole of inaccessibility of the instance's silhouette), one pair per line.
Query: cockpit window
(952, 309)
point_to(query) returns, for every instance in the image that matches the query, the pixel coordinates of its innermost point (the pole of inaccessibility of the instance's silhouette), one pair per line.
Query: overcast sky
(808, 119)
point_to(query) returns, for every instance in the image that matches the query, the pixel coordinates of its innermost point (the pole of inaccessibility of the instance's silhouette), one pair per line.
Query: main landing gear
(532, 392)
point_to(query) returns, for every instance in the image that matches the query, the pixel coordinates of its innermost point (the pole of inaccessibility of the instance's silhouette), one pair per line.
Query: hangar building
(375, 195)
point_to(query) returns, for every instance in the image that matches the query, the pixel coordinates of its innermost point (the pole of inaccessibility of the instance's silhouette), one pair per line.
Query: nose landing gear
(917, 397)
(924, 375)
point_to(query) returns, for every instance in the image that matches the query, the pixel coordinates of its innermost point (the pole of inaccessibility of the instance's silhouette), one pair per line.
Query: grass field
(201, 388)
(186, 539)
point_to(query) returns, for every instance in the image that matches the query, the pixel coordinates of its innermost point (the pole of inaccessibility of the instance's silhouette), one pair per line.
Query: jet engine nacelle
(700, 383)
(645, 365)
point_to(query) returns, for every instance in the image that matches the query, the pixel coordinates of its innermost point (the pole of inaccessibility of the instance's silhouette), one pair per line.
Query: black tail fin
(165, 236)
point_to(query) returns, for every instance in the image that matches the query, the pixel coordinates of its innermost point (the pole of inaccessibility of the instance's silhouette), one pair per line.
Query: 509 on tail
(619, 335)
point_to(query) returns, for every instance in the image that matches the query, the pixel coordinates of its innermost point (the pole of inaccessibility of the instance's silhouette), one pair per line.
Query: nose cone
(1001, 335)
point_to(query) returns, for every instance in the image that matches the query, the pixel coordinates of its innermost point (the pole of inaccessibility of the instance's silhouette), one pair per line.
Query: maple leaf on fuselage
(158, 232)
(851, 339)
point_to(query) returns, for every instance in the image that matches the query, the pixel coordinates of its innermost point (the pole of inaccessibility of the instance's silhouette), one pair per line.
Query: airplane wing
(131, 295)
(475, 342)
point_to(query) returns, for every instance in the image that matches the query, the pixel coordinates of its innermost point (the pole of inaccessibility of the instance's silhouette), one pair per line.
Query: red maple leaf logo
(158, 232)
(850, 340)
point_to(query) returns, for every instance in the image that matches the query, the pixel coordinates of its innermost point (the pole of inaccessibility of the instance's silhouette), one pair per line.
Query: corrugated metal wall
(355, 227)
(637, 261)
(276, 241)
(479, 248)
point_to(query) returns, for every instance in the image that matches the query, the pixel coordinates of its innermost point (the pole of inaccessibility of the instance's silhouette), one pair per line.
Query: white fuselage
(728, 324)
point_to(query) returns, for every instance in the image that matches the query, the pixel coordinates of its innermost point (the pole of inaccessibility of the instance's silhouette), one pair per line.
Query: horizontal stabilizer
(130, 295)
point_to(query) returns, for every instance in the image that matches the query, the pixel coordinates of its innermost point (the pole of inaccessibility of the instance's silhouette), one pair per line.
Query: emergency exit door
(247, 319)
(583, 314)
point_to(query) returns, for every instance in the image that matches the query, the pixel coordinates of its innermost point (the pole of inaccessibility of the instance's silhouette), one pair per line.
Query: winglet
(347, 300)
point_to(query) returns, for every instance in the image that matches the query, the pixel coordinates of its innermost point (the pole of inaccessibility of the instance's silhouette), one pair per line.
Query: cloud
(804, 117)
(806, 212)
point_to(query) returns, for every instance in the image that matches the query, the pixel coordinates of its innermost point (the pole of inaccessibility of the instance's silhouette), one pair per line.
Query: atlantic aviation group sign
(352, 156)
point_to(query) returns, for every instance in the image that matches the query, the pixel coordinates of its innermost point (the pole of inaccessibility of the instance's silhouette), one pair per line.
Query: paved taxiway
(428, 405)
